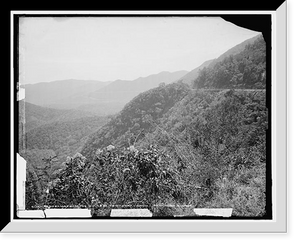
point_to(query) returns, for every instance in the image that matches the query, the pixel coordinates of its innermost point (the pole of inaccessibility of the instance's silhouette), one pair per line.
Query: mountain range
(101, 98)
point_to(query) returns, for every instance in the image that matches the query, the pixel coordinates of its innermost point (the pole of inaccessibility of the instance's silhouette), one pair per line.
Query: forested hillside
(36, 116)
(218, 141)
(65, 138)
(207, 150)
(246, 69)
(190, 77)
(45, 133)
(136, 118)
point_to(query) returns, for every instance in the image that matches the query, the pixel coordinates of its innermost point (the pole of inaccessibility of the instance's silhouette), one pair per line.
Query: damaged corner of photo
(23, 213)
(21, 183)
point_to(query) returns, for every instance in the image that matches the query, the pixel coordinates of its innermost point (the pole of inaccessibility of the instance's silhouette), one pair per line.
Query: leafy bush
(134, 177)
(115, 178)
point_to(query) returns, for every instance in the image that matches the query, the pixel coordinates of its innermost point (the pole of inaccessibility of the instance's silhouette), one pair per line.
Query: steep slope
(137, 118)
(236, 49)
(245, 69)
(217, 138)
(190, 77)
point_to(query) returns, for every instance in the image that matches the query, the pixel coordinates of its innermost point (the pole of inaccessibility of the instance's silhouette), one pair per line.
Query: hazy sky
(110, 48)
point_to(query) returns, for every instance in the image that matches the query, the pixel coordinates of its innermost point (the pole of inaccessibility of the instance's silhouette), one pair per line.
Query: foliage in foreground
(115, 178)
(134, 177)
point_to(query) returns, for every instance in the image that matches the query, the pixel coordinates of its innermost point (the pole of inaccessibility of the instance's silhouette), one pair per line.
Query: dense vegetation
(135, 119)
(51, 134)
(171, 145)
(218, 140)
(208, 150)
(246, 69)
(36, 116)
(64, 138)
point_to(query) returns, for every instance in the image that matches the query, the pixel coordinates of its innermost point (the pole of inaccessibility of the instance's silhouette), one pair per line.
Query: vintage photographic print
(154, 117)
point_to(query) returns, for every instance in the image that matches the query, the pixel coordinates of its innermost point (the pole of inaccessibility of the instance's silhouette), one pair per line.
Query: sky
(111, 48)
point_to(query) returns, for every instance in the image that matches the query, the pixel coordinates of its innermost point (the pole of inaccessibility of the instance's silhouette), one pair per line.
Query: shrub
(134, 177)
